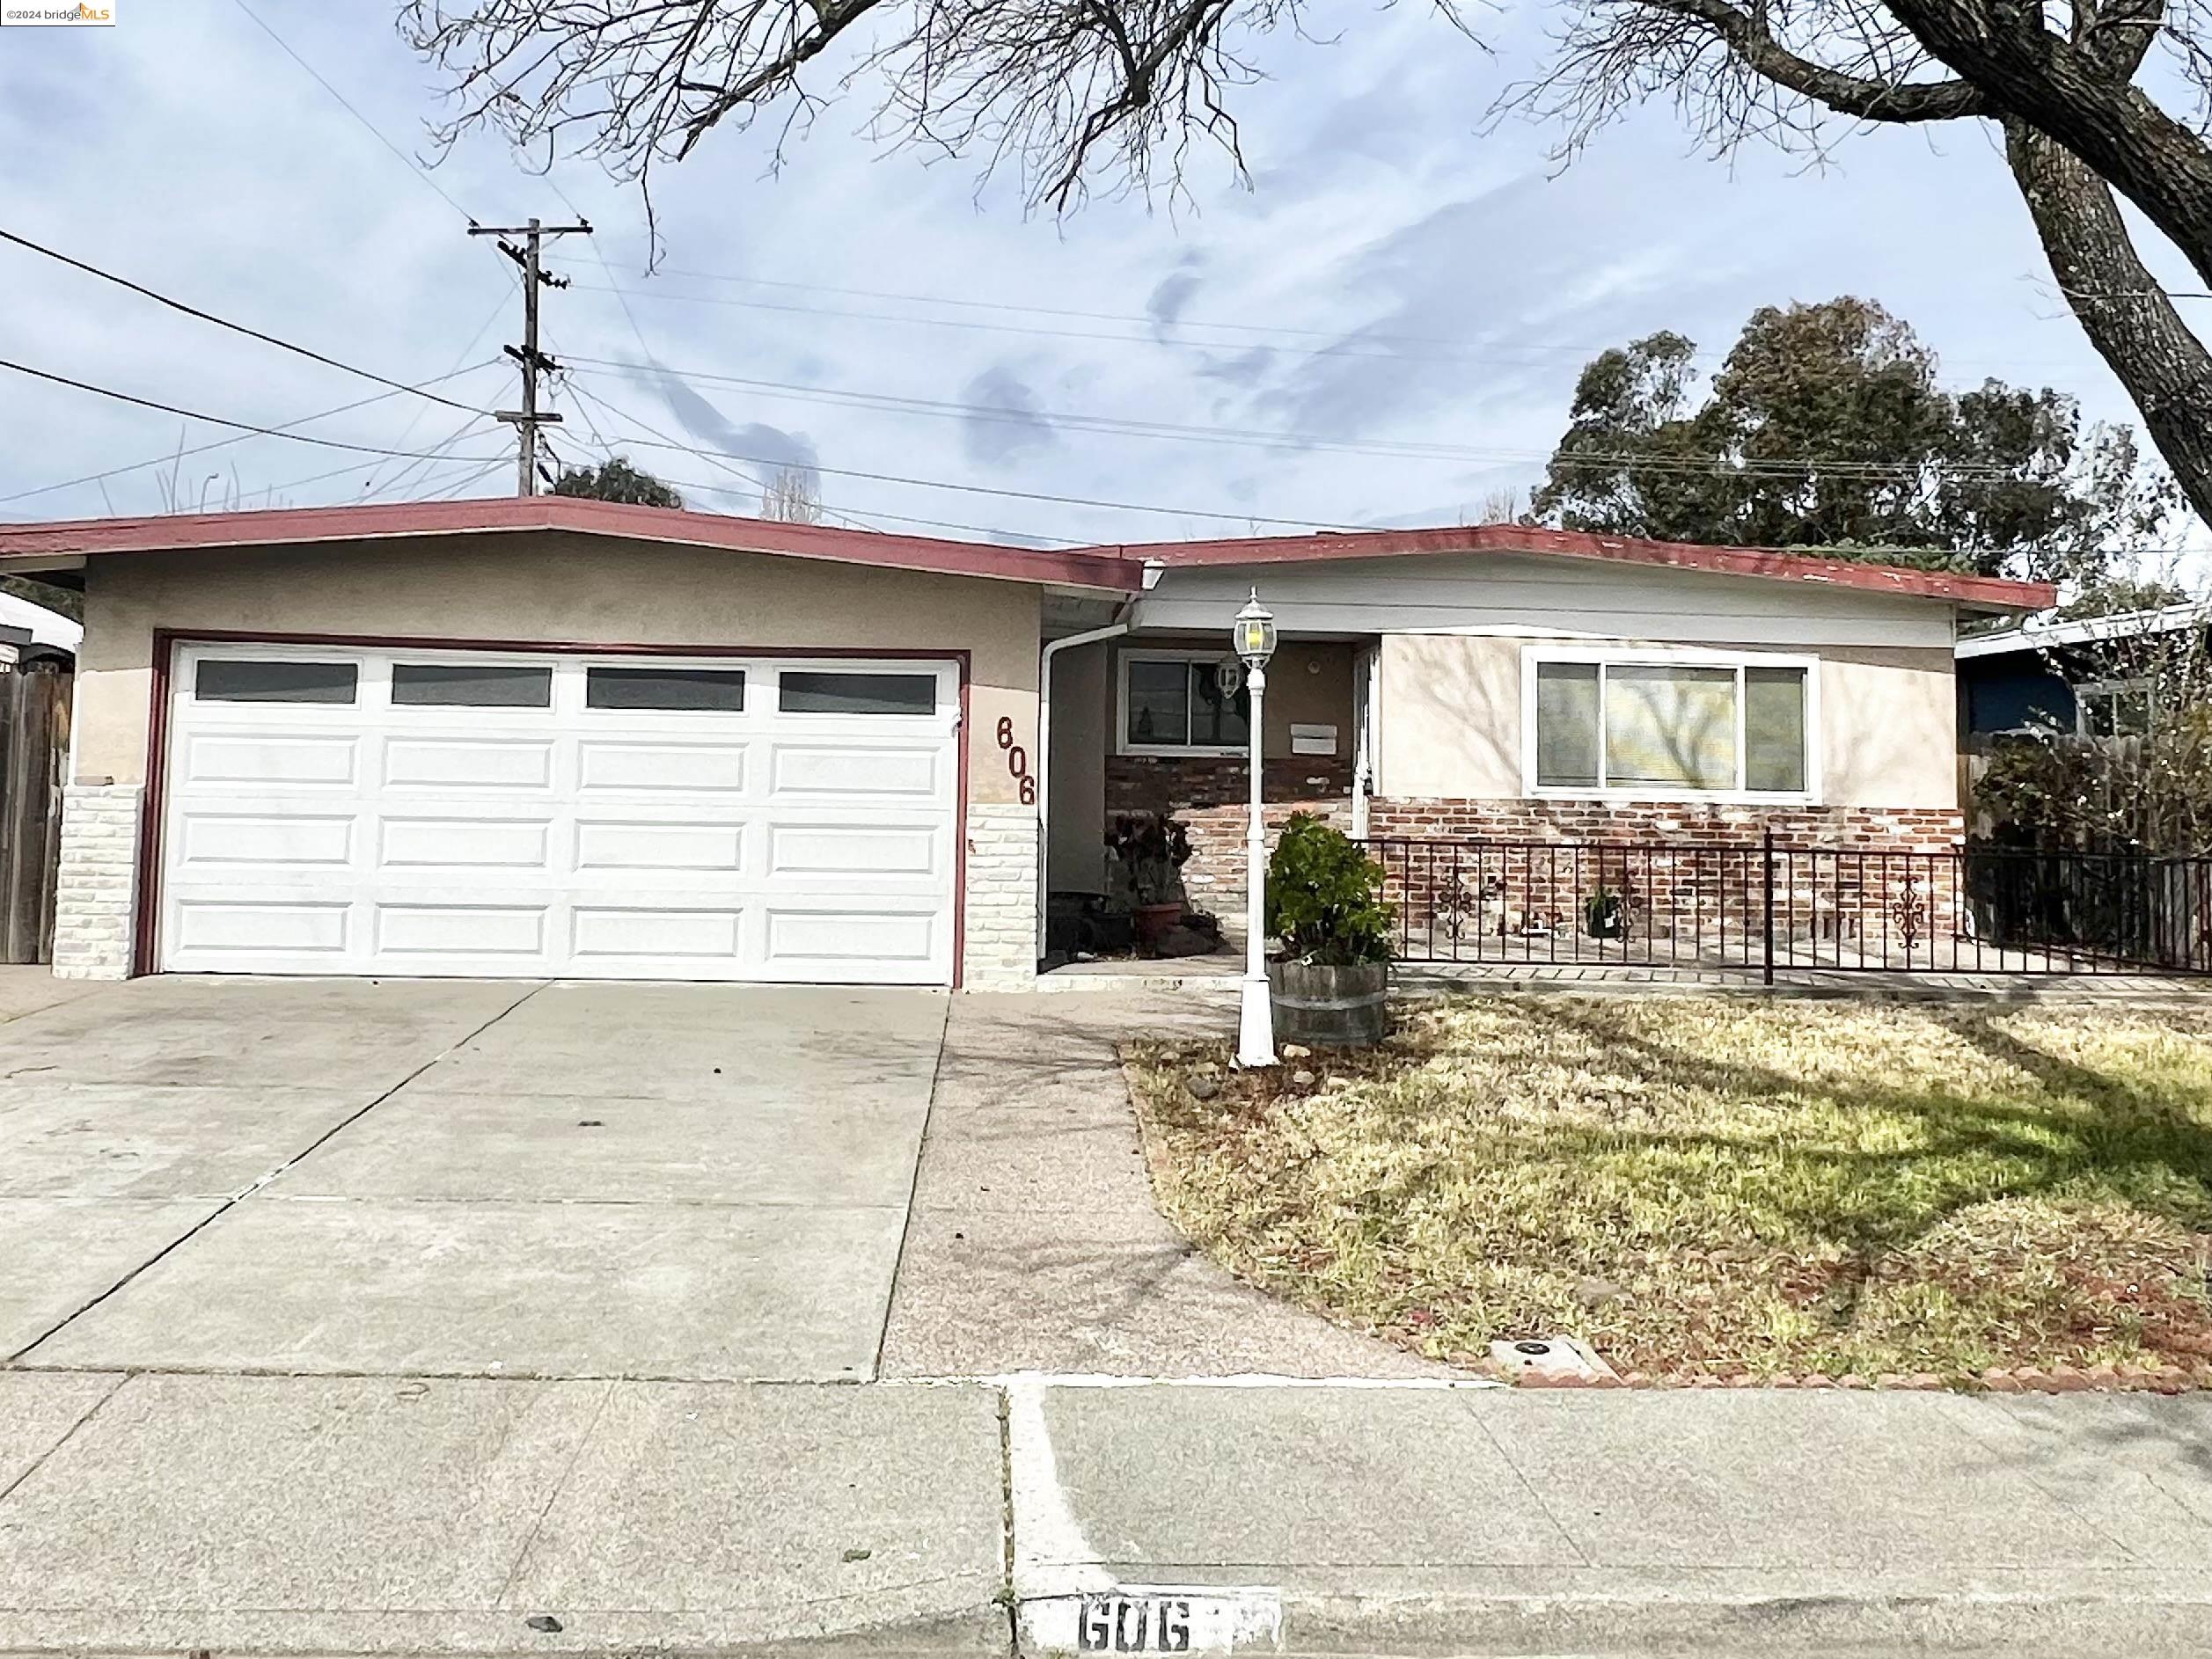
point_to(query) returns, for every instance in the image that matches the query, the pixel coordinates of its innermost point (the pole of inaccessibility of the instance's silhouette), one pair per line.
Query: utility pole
(528, 418)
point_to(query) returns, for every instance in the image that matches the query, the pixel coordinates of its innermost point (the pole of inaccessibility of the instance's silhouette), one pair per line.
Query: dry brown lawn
(1717, 1185)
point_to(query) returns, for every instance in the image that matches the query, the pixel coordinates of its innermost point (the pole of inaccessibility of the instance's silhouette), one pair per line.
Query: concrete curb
(1590, 1612)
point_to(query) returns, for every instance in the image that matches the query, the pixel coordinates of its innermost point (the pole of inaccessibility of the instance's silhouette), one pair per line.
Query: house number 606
(1017, 761)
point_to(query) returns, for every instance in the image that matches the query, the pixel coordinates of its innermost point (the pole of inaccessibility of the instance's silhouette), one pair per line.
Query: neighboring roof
(1979, 592)
(1115, 568)
(2039, 632)
(40, 625)
(24, 546)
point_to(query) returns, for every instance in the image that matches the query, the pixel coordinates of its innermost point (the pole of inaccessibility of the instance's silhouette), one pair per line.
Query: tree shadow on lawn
(2138, 1143)
(2083, 1135)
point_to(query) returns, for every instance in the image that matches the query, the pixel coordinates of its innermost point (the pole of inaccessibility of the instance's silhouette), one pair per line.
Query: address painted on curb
(1153, 1618)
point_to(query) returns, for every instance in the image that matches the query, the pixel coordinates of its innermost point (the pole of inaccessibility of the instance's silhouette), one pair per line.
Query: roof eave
(51, 547)
(1982, 595)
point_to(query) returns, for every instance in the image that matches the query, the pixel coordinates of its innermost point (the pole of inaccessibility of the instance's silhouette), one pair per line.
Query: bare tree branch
(1066, 91)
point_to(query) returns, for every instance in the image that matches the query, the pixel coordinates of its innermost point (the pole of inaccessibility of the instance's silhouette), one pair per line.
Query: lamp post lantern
(1254, 637)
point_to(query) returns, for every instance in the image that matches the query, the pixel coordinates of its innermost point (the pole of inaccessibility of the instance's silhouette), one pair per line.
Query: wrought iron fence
(1763, 906)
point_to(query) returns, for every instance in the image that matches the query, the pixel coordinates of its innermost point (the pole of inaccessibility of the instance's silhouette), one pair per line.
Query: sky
(1381, 325)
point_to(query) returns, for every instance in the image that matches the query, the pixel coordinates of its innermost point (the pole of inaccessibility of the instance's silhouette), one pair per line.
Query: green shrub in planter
(1325, 902)
(1324, 896)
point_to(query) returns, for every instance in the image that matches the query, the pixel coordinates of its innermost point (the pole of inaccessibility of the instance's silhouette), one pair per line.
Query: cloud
(1006, 422)
(752, 445)
(1172, 293)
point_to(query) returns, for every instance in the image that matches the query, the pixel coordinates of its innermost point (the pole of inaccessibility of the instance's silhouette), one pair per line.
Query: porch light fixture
(1253, 637)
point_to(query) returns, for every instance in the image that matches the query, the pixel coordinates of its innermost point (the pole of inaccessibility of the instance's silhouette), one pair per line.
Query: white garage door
(344, 811)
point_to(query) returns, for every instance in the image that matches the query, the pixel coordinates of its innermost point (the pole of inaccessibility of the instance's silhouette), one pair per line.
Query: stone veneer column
(95, 895)
(1001, 928)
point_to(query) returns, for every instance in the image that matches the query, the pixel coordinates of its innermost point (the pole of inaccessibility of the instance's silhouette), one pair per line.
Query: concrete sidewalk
(1035, 1245)
(387, 1514)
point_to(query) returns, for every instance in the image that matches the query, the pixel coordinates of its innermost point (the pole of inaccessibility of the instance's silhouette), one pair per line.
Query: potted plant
(1324, 904)
(1149, 850)
(1605, 914)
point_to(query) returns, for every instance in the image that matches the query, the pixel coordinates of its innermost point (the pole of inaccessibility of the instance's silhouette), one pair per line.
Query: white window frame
(1163, 653)
(1603, 657)
(2133, 685)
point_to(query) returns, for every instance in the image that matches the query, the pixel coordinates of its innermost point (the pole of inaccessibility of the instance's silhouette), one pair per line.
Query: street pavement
(389, 1516)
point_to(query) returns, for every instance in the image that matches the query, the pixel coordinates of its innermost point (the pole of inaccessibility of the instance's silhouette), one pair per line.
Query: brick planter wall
(1209, 794)
(1478, 878)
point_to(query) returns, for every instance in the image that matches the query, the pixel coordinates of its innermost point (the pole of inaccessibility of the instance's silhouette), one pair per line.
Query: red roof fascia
(1995, 592)
(1086, 568)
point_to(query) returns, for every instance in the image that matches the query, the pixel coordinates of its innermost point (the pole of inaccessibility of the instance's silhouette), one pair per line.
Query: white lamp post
(1254, 636)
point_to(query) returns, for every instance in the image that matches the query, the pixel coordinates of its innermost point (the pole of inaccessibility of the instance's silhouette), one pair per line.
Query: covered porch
(1149, 720)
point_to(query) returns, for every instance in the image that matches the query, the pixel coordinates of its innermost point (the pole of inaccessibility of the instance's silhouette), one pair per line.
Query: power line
(1152, 323)
(1005, 494)
(1429, 348)
(1784, 466)
(411, 164)
(607, 448)
(193, 414)
(482, 329)
(1023, 328)
(225, 322)
(411, 469)
(711, 460)
(369, 489)
(448, 492)
(1101, 317)
(637, 332)
(283, 429)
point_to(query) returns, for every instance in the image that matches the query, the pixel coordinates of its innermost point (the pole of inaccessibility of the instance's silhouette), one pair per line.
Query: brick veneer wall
(1468, 871)
(998, 927)
(96, 888)
(1925, 829)
(1209, 794)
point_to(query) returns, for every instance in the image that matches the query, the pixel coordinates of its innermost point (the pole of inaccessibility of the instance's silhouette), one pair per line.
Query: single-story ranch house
(551, 736)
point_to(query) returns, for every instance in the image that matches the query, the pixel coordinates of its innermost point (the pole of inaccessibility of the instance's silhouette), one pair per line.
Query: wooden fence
(34, 743)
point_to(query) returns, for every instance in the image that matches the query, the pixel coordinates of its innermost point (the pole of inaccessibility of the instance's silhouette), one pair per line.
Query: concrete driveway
(458, 1178)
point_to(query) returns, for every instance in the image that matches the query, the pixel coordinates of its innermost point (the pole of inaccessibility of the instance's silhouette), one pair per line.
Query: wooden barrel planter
(1339, 1007)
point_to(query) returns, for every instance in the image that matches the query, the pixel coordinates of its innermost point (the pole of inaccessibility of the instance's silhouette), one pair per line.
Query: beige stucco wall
(534, 588)
(1082, 719)
(1451, 720)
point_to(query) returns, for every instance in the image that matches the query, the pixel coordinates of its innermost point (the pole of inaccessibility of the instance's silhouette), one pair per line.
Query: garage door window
(719, 691)
(811, 691)
(274, 680)
(470, 685)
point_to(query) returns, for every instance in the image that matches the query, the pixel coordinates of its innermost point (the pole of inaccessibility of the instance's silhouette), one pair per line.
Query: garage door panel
(611, 935)
(476, 764)
(512, 933)
(608, 845)
(593, 839)
(617, 766)
(257, 757)
(817, 771)
(444, 842)
(862, 851)
(839, 938)
(264, 928)
(221, 840)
